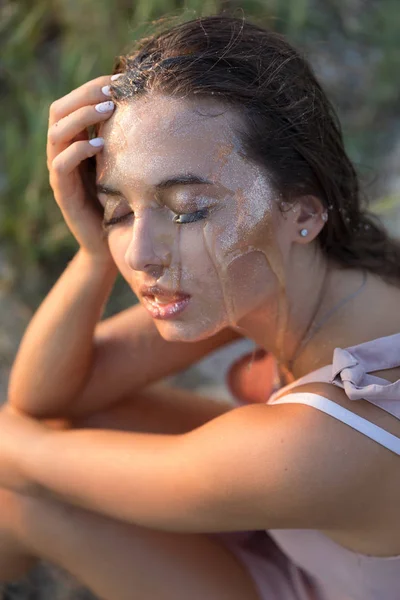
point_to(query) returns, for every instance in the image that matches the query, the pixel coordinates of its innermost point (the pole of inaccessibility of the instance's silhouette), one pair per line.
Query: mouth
(164, 304)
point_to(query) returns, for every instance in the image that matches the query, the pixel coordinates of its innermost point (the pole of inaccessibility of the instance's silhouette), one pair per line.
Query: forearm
(135, 477)
(192, 482)
(55, 356)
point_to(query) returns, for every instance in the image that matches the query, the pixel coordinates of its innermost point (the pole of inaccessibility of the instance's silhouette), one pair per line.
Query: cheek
(200, 277)
(197, 267)
(118, 242)
(246, 258)
(249, 284)
(283, 236)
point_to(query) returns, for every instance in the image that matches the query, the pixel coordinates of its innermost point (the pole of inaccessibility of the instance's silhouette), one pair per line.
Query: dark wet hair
(290, 125)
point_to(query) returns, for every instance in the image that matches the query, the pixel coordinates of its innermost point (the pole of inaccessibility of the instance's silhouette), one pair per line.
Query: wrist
(20, 434)
(99, 261)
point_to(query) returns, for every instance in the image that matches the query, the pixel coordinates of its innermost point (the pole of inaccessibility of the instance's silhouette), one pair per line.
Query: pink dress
(304, 564)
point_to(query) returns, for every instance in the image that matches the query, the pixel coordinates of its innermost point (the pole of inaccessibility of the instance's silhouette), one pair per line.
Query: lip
(172, 302)
(165, 311)
(162, 292)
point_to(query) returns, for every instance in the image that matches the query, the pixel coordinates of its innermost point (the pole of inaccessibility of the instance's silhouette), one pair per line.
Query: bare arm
(56, 352)
(255, 467)
(68, 358)
(130, 354)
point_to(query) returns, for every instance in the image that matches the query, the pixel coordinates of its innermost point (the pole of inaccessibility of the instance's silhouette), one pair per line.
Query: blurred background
(49, 47)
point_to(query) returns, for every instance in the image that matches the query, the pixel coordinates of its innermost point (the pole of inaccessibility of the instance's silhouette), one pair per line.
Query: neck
(307, 302)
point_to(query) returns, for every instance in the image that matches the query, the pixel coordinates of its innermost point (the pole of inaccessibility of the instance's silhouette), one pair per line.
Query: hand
(71, 163)
(17, 435)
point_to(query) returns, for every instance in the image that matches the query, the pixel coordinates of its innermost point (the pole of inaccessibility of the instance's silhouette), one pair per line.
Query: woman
(231, 209)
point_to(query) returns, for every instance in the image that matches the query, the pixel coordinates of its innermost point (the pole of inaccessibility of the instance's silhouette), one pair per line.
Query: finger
(52, 152)
(65, 131)
(68, 160)
(90, 92)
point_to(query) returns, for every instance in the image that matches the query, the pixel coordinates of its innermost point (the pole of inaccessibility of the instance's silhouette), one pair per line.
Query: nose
(146, 252)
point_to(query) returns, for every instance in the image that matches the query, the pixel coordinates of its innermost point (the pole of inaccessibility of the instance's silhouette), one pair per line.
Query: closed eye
(109, 222)
(191, 217)
(181, 218)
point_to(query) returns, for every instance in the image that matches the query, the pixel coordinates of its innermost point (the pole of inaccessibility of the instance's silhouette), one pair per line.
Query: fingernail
(106, 90)
(115, 77)
(105, 106)
(97, 142)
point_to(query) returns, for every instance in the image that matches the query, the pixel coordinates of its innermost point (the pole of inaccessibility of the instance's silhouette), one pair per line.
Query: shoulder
(363, 448)
(288, 463)
(362, 408)
(347, 452)
(360, 470)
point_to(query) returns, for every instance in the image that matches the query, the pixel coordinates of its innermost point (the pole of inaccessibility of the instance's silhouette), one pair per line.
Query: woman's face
(196, 218)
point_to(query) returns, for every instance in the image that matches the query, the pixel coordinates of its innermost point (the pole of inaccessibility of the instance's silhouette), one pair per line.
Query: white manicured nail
(97, 142)
(105, 106)
(115, 77)
(106, 90)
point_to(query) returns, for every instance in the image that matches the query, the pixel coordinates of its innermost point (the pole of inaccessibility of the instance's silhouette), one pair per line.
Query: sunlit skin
(242, 261)
(220, 236)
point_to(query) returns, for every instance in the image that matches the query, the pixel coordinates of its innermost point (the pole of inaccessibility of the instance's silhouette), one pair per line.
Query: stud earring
(324, 217)
(304, 232)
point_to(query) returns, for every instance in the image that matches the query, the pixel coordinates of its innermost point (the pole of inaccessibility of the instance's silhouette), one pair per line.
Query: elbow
(18, 401)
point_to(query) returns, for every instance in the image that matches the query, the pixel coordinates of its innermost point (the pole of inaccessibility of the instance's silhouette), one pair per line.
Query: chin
(185, 332)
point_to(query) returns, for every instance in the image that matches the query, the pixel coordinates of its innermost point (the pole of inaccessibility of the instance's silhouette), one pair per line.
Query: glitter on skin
(229, 262)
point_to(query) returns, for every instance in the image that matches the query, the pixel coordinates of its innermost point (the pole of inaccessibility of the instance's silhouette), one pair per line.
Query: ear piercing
(324, 217)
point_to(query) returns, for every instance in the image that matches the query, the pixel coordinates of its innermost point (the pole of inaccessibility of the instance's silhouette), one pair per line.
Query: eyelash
(115, 220)
(198, 215)
(192, 217)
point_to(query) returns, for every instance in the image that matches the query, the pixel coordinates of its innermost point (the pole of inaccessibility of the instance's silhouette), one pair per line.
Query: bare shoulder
(363, 408)
(375, 497)
(283, 466)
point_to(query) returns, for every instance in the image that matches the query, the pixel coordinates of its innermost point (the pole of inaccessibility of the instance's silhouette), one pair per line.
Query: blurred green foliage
(50, 47)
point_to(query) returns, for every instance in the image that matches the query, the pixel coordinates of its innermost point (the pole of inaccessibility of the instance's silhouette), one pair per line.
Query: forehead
(154, 136)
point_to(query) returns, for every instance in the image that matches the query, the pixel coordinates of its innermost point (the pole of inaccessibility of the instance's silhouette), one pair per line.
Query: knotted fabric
(352, 370)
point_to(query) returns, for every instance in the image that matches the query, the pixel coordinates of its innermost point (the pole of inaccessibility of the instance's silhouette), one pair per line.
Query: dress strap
(376, 433)
(351, 370)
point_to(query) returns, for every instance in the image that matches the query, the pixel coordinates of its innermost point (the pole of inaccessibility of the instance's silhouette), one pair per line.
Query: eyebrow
(184, 179)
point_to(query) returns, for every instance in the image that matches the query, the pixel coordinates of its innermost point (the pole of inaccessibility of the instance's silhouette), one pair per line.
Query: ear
(308, 218)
